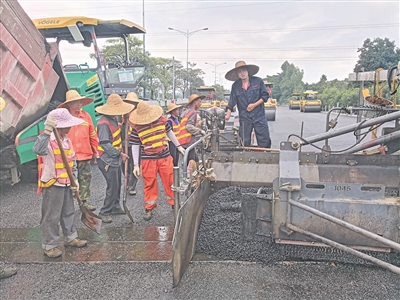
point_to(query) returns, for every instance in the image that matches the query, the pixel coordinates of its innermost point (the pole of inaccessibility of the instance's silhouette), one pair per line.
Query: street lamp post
(215, 70)
(188, 35)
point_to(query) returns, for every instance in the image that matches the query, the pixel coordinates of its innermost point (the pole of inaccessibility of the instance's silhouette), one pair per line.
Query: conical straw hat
(132, 98)
(72, 96)
(115, 106)
(145, 113)
(172, 106)
(232, 75)
(195, 97)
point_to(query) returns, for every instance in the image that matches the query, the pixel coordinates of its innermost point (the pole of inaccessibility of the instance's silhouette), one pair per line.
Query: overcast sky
(319, 37)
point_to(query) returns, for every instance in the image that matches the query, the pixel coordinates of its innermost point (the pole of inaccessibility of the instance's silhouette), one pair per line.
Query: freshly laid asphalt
(207, 277)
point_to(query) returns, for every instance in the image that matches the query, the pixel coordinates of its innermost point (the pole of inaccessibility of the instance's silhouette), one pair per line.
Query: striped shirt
(135, 140)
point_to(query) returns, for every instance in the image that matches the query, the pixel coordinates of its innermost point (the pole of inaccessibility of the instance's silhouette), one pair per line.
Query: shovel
(126, 171)
(91, 220)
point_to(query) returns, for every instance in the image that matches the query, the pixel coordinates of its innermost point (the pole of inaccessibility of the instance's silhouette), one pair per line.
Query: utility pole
(144, 45)
(360, 102)
(215, 70)
(187, 34)
(173, 78)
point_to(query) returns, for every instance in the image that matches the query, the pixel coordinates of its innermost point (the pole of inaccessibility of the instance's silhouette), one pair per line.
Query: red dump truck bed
(27, 78)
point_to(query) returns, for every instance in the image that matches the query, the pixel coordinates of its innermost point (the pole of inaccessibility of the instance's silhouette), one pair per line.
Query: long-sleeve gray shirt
(111, 155)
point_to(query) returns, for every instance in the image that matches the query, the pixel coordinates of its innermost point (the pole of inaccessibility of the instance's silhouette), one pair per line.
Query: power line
(256, 49)
(147, 11)
(275, 59)
(359, 26)
(211, 50)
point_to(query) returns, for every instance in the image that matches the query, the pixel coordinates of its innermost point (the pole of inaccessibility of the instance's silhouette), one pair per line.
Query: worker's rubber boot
(89, 206)
(118, 211)
(147, 215)
(105, 218)
(53, 252)
(7, 272)
(77, 243)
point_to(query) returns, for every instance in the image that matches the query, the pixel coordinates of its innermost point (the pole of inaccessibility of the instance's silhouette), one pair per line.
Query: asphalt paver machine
(344, 200)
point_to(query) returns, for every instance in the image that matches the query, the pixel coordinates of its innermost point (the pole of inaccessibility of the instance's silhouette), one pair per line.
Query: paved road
(81, 274)
(291, 121)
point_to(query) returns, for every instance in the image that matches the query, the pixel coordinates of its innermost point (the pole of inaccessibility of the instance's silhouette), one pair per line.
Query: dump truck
(33, 80)
(294, 101)
(310, 103)
(343, 202)
(271, 104)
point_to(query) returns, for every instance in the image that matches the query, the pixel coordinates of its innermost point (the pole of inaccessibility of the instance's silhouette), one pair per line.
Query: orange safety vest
(175, 128)
(61, 172)
(153, 136)
(83, 137)
(116, 134)
(184, 136)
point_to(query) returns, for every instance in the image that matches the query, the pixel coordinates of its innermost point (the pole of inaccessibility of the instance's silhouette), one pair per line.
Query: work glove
(74, 189)
(202, 132)
(50, 123)
(181, 150)
(136, 171)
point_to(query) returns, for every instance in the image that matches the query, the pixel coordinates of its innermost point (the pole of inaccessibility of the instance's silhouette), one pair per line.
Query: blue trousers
(261, 130)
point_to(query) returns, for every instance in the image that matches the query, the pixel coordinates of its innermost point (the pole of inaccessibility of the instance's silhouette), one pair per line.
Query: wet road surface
(132, 261)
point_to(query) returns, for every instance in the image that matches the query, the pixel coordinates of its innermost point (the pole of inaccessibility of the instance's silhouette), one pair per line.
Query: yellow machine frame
(207, 102)
(295, 103)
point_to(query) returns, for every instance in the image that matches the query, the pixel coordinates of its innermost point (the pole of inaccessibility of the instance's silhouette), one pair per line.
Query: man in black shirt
(249, 93)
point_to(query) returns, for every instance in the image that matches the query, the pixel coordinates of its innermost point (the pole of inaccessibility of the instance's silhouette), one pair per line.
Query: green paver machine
(115, 76)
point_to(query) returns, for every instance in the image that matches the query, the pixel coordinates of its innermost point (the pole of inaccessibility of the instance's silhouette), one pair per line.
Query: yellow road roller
(310, 103)
(294, 101)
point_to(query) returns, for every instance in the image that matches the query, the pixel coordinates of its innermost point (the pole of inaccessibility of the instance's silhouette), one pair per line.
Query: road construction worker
(7, 272)
(84, 140)
(249, 94)
(54, 182)
(149, 132)
(133, 99)
(111, 153)
(173, 121)
(189, 128)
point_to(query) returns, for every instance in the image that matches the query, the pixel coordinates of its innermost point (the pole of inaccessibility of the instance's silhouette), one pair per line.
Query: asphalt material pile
(220, 234)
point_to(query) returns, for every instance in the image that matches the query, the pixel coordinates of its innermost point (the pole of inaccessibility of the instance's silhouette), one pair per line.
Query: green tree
(378, 53)
(114, 50)
(276, 90)
(219, 93)
(195, 78)
(158, 79)
(288, 81)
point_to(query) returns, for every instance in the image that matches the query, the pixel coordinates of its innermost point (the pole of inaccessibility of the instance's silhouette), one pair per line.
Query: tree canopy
(374, 54)
(377, 53)
(159, 70)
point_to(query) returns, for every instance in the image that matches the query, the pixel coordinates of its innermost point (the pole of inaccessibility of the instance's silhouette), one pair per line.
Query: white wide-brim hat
(64, 118)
